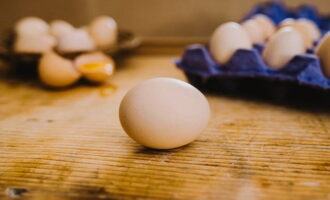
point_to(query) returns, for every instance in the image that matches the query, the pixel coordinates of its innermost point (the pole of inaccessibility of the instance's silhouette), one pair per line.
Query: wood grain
(69, 145)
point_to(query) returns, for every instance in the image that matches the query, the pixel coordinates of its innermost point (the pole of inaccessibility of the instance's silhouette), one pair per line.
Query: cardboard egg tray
(246, 68)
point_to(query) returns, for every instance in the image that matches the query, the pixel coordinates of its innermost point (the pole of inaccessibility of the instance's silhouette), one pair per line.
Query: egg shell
(104, 31)
(323, 52)
(287, 22)
(60, 27)
(34, 43)
(266, 23)
(282, 47)
(96, 56)
(226, 39)
(254, 31)
(77, 40)
(164, 113)
(56, 71)
(31, 26)
(310, 27)
(99, 73)
(309, 42)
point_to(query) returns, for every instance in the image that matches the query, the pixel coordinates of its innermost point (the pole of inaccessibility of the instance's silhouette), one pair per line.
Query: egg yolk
(93, 66)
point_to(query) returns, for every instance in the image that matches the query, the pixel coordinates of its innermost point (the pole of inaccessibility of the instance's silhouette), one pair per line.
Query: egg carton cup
(246, 66)
(25, 63)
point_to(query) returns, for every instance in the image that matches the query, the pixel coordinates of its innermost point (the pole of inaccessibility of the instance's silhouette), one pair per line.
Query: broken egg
(164, 113)
(60, 27)
(34, 43)
(31, 26)
(56, 71)
(282, 47)
(104, 31)
(77, 40)
(227, 39)
(95, 67)
(323, 52)
(254, 31)
(266, 24)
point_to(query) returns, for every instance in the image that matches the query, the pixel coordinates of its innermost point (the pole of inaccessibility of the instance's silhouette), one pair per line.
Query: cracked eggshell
(323, 52)
(254, 31)
(77, 40)
(60, 27)
(95, 67)
(31, 26)
(266, 23)
(104, 31)
(56, 71)
(282, 47)
(34, 43)
(227, 39)
(310, 27)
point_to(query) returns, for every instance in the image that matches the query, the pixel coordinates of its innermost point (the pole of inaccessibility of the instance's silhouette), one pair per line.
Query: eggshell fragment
(104, 31)
(310, 27)
(97, 56)
(60, 27)
(34, 43)
(95, 67)
(254, 31)
(282, 47)
(227, 39)
(266, 23)
(31, 26)
(56, 71)
(164, 113)
(323, 52)
(77, 40)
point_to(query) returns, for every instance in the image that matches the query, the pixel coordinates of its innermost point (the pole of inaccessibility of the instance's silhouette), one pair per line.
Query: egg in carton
(32, 37)
(281, 54)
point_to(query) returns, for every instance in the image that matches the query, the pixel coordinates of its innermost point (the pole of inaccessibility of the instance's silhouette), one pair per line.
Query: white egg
(164, 113)
(56, 71)
(104, 31)
(31, 26)
(60, 27)
(323, 52)
(77, 40)
(293, 23)
(227, 39)
(95, 67)
(34, 43)
(310, 27)
(287, 22)
(282, 47)
(266, 23)
(254, 31)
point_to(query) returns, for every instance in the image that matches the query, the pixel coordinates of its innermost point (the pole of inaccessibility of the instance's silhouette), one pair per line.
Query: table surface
(69, 144)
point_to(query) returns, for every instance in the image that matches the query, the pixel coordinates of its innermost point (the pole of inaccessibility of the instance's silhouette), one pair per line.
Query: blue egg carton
(277, 11)
(302, 69)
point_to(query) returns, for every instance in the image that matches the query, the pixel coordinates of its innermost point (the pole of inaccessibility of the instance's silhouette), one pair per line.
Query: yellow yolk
(93, 66)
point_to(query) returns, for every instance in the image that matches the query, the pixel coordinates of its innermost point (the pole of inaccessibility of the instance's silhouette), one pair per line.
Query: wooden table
(69, 145)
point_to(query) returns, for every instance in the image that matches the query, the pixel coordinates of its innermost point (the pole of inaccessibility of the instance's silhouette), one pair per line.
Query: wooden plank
(69, 145)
